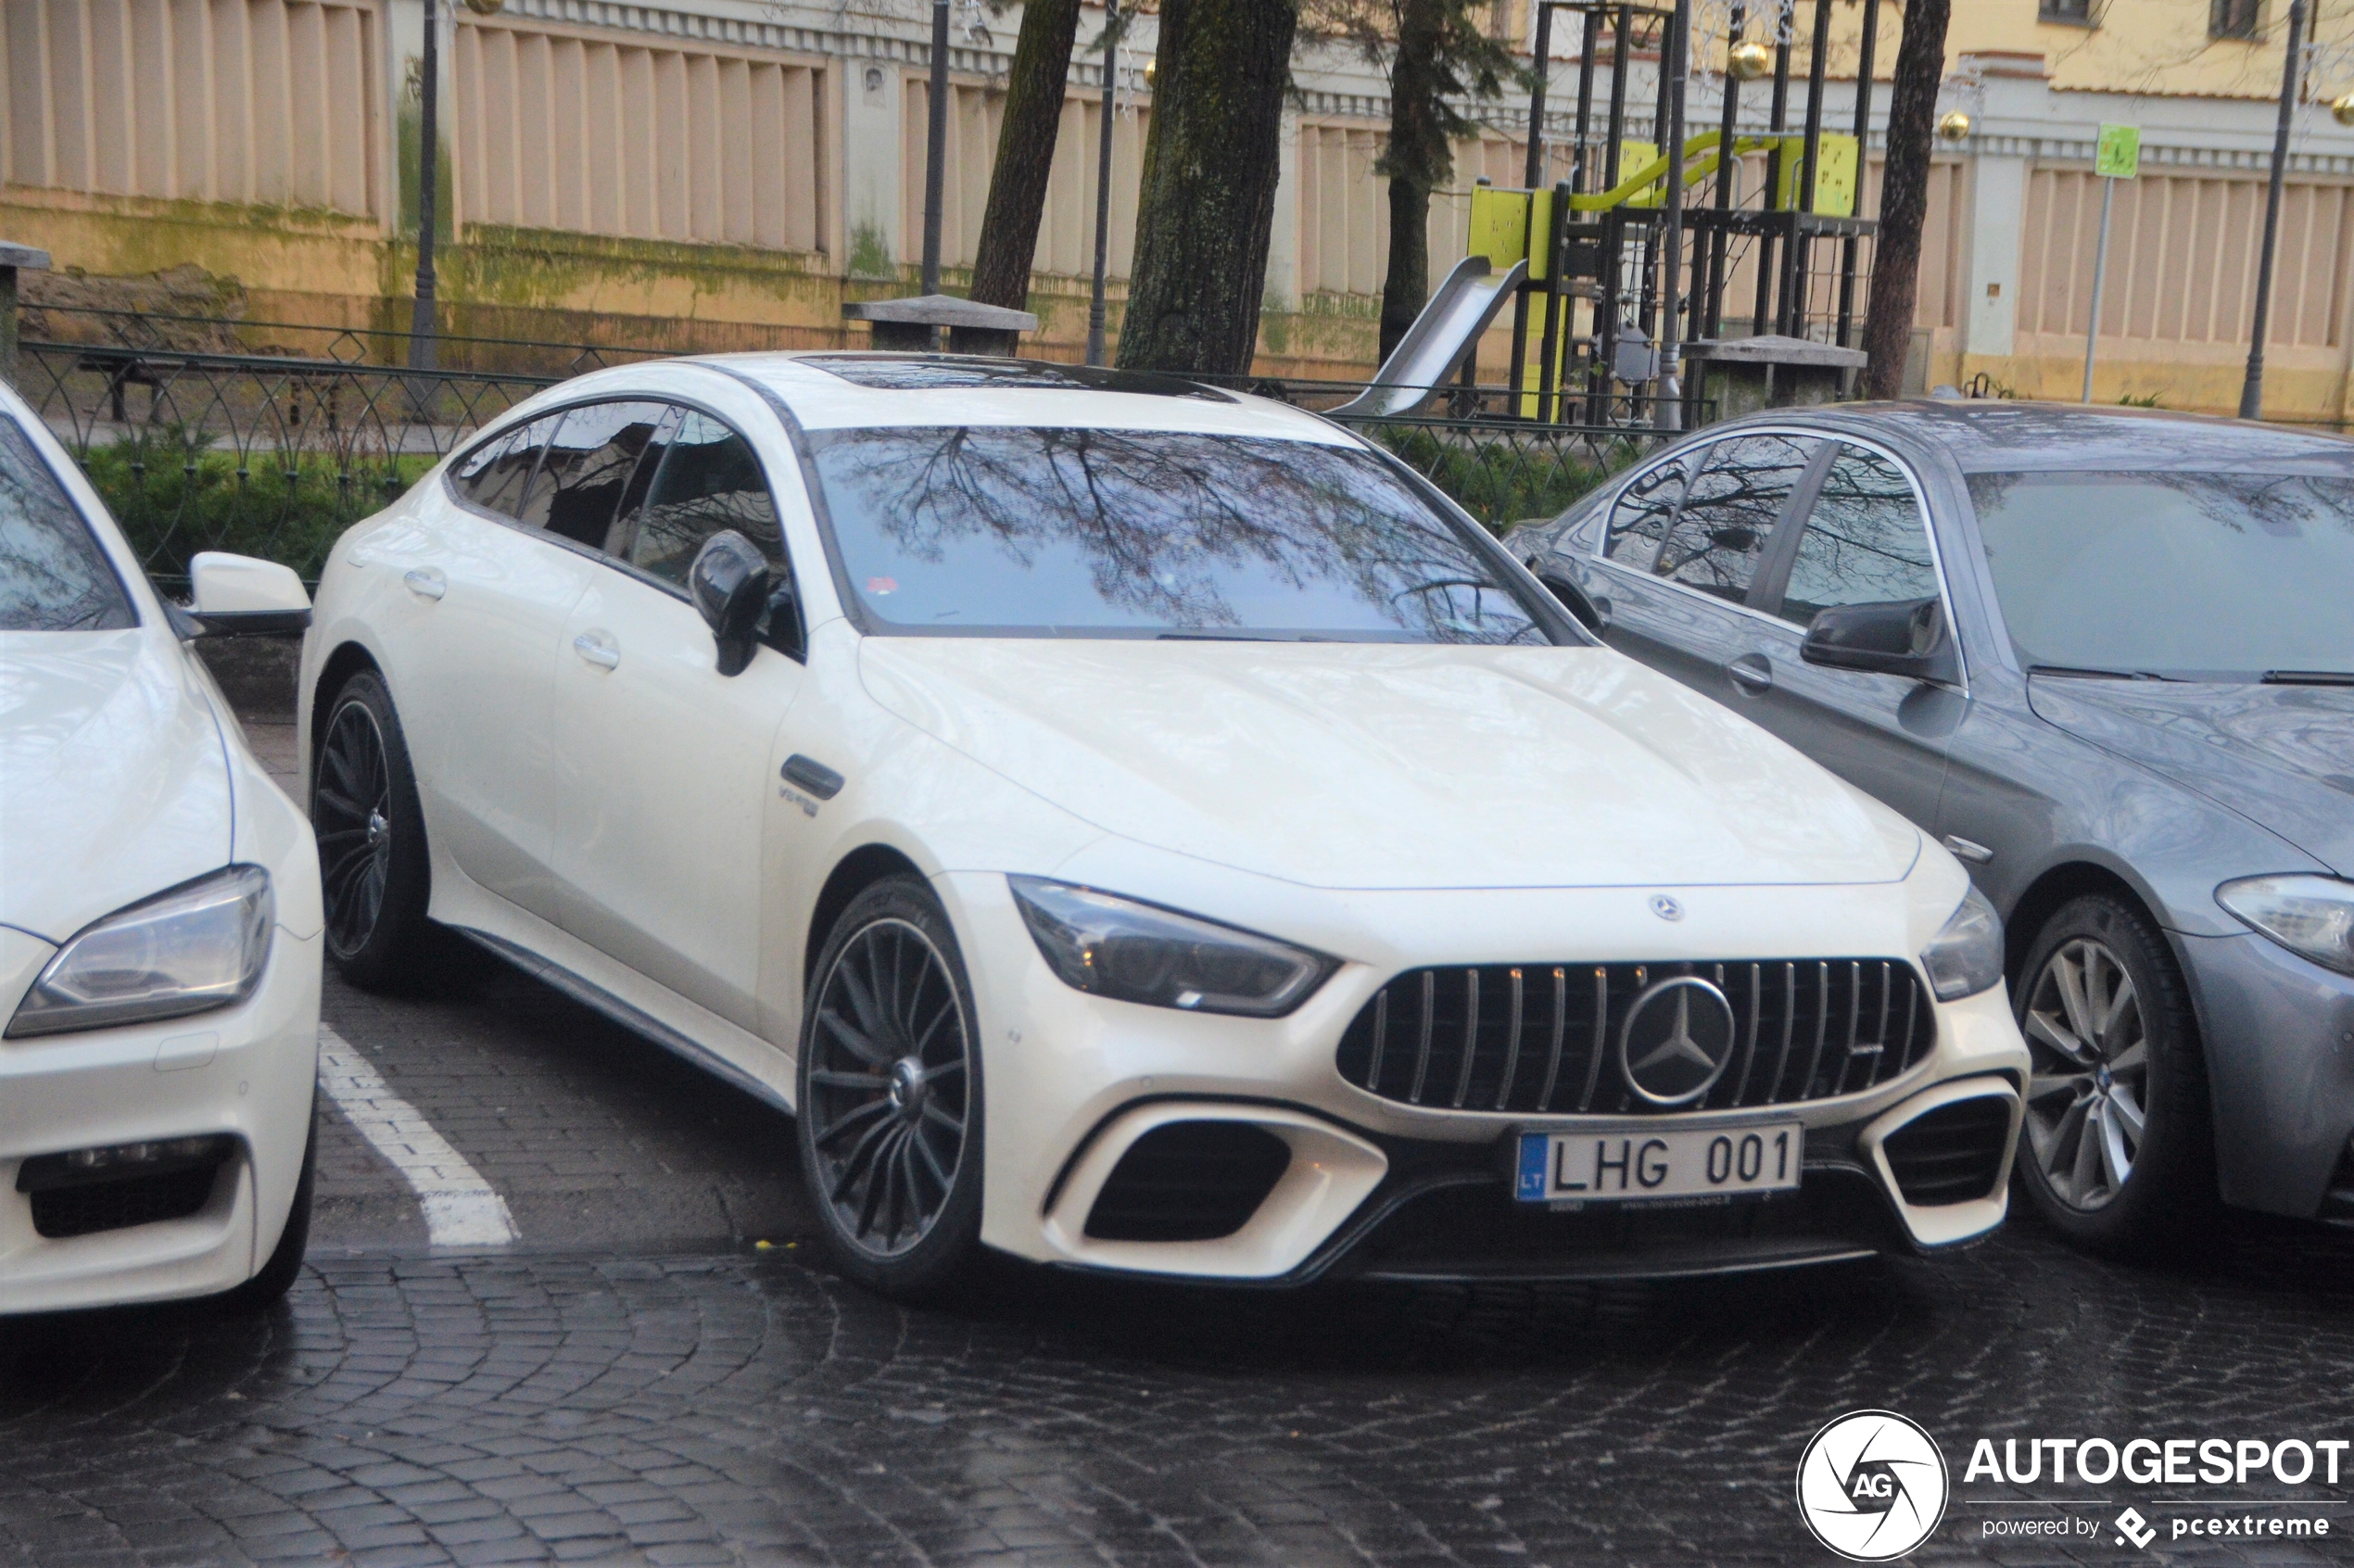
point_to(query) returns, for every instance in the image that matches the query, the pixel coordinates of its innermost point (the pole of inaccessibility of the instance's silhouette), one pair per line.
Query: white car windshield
(2194, 575)
(1016, 531)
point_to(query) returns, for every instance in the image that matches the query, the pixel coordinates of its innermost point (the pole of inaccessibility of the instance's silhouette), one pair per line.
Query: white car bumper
(242, 1075)
(1375, 1186)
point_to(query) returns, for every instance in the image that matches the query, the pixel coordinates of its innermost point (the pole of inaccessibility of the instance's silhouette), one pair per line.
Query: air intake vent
(1543, 1038)
(1953, 1154)
(1190, 1180)
(117, 1205)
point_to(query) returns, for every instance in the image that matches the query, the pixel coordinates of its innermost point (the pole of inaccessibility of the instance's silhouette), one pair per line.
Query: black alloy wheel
(351, 813)
(374, 874)
(2118, 1149)
(890, 1102)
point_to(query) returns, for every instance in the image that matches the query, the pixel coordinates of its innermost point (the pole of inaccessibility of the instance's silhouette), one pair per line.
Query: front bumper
(1365, 1186)
(245, 1071)
(2280, 1062)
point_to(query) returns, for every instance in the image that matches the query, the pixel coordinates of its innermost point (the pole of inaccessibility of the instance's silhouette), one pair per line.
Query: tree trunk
(1025, 153)
(1418, 161)
(1904, 201)
(1207, 205)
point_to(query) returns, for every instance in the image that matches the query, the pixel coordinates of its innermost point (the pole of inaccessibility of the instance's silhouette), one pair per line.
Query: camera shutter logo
(1872, 1485)
(1677, 1041)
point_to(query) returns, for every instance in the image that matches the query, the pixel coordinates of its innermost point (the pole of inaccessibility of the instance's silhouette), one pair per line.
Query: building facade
(721, 173)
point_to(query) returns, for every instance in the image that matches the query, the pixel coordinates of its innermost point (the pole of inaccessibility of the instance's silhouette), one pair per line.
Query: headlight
(200, 946)
(1966, 956)
(1133, 952)
(2312, 917)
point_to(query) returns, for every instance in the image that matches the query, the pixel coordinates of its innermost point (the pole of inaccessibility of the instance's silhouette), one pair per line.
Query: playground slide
(1428, 356)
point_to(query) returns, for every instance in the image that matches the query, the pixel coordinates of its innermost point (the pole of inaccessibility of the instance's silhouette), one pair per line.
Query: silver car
(2107, 656)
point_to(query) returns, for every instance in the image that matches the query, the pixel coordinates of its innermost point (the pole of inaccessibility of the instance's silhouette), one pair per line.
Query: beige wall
(274, 102)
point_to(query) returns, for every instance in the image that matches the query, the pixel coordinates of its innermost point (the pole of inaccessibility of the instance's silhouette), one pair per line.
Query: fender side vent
(1190, 1180)
(1951, 1155)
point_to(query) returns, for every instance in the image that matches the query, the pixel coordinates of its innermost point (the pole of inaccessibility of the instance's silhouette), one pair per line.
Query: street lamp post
(2252, 389)
(421, 322)
(935, 144)
(1103, 183)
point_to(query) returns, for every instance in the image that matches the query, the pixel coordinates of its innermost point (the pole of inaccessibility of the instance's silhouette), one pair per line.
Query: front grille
(1190, 1180)
(1953, 1154)
(1541, 1039)
(91, 1206)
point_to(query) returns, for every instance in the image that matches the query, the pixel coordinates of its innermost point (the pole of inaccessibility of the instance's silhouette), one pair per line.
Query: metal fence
(275, 455)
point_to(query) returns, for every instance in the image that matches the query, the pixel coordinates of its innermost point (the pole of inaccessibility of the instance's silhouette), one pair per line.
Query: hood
(2283, 757)
(1378, 765)
(113, 784)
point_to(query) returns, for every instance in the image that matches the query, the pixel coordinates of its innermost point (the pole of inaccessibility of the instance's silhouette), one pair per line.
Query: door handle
(597, 650)
(425, 582)
(1751, 675)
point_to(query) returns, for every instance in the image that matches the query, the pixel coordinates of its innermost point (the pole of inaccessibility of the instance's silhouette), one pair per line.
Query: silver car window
(1865, 541)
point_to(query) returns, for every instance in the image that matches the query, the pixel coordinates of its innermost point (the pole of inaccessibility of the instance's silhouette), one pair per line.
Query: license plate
(1643, 1165)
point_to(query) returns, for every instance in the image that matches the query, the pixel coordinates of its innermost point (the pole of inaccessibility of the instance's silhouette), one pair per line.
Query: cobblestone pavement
(638, 1380)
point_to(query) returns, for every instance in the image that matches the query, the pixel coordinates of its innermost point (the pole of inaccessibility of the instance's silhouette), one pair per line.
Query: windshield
(52, 576)
(2219, 575)
(1016, 531)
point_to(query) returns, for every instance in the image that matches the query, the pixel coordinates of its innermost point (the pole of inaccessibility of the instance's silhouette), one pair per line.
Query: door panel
(1866, 540)
(472, 672)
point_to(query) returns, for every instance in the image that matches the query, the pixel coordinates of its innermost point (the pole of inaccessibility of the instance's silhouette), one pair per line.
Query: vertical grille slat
(1471, 1036)
(1867, 1026)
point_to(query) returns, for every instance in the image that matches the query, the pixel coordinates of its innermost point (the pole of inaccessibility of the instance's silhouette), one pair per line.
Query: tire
(267, 1288)
(375, 874)
(890, 1098)
(2095, 1178)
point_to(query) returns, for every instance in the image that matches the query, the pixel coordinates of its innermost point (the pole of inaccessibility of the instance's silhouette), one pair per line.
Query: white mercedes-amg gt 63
(159, 922)
(1141, 829)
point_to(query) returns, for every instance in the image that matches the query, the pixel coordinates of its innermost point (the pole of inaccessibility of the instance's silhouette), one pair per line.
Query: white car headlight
(1133, 952)
(195, 947)
(2312, 917)
(1966, 956)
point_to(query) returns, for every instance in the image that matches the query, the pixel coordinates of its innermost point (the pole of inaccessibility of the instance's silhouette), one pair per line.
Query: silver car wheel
(2088, 1101)
(888, 1087)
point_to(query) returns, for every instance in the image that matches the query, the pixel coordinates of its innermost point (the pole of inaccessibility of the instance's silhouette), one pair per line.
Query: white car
(159, 922)
(1140, 828)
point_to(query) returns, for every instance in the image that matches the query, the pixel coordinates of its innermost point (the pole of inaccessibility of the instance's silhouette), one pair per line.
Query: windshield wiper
(2309, 678)
(2082, 672)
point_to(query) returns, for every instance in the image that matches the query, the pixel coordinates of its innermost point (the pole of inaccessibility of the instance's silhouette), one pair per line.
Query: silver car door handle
(1752, 674)
(425, 582)
(598, 652)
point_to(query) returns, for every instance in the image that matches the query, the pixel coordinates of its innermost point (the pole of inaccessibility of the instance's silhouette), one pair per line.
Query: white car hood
(113, 783)
(1379, 765)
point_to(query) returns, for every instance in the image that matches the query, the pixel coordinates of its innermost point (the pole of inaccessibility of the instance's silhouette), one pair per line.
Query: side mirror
(1592, 610)
(729, 582)
(1906, 637)
(235, 595)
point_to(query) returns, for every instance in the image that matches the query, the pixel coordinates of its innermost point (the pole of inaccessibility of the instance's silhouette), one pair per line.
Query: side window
(1730, 512)
(495, 475)
(590, 463)
(709, 481)
(1645, 511)
(53, 576)
(1865, 541)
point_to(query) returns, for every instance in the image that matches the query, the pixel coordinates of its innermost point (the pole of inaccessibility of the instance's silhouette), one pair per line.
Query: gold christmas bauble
(1748, 60)
(1954, 126)
(485, 7)
(2343, 111)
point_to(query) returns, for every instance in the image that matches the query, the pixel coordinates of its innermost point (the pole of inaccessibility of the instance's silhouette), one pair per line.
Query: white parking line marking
(461, 1210)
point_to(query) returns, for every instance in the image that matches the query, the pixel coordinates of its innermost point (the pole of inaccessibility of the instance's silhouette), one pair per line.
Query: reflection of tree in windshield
(1074, 528)
(51, 577)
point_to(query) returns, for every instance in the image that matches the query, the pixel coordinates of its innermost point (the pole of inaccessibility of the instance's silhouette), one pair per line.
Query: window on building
(2071, 13)
(2234, 18)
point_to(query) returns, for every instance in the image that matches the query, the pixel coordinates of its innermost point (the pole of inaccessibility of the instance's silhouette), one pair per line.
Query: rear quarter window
(53, 576)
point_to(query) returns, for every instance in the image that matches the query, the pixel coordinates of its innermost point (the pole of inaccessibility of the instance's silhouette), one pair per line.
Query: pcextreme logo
(1872, 1485)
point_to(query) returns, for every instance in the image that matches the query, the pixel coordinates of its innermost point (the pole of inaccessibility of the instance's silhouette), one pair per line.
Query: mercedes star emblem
(1677, 1041)
(1665, 907)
